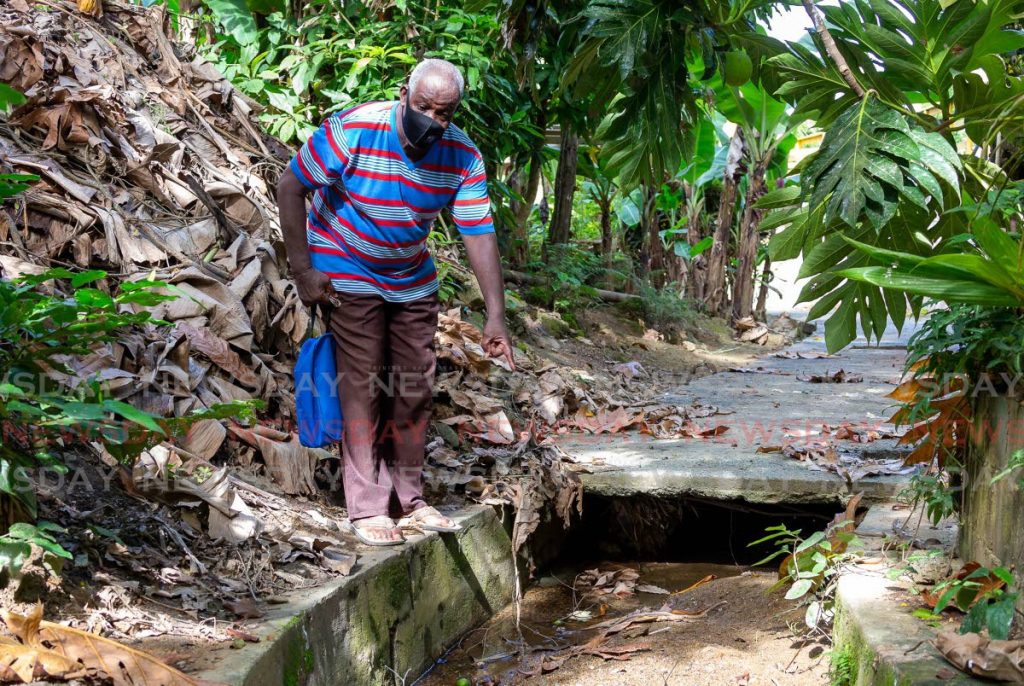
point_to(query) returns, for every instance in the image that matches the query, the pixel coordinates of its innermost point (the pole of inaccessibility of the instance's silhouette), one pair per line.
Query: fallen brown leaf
(126, 666)
(980, 656)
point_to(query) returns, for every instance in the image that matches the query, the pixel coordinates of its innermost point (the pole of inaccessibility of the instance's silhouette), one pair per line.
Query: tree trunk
(565, 188)
(760, 310)
(714, 286)
(605, 206)
(746, 253)
(652, 220)
(519, 246)
(697, 268)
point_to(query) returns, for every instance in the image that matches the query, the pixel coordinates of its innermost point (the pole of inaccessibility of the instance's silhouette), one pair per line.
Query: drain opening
(683, 528)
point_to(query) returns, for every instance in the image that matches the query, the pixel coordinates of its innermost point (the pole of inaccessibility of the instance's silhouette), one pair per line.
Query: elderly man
(380, 173)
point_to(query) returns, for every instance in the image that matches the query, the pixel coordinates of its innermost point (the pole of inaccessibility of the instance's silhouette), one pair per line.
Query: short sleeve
(322, 158)
(471, 208)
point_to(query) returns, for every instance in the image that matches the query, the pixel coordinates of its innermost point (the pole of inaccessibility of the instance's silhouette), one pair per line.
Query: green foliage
(636, 57)
(907, 52)
(872, 159)
(811, 565)
(842, 669)
(887, 175)
(16, 544)
(565, 274)
(988, 605)
(987, 270)
(44, 403)
(665, 308)
(970, 341)
(934, 493)
(236, 18)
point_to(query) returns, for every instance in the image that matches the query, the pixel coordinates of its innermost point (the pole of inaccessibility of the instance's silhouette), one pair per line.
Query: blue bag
(317, 400)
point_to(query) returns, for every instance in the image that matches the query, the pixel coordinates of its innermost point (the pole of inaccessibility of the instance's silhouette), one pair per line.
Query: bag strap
(312, 320)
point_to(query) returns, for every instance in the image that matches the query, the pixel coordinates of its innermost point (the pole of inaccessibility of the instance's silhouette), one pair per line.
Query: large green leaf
(870, 159)
(948, 290)
(235, 17)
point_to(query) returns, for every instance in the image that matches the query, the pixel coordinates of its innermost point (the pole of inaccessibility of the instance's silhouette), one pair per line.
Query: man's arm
(485, 261)
(313, 286)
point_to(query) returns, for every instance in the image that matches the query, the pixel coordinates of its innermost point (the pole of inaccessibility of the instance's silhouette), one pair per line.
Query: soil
(610, 334)
(750, 637)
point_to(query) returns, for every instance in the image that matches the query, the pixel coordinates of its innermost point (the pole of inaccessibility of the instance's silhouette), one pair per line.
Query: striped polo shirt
(373, 206)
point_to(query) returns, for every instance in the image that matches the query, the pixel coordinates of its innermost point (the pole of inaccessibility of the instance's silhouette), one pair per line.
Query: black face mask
(421, 130)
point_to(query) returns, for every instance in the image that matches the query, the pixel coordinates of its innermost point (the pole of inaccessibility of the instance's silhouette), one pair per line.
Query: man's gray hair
(435, 68)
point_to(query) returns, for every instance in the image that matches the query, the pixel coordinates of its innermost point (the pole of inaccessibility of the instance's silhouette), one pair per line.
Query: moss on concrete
(398, 611)
(297, 660)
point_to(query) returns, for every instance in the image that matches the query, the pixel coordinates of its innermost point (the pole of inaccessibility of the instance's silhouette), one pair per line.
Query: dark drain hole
(682, 529)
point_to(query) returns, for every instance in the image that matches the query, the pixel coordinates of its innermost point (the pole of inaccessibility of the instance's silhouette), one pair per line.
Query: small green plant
(933, 492)
(664, 308)
(842, 669)
(16, 544)
(983, 593)
(1015, 462)
(565, 275)
(811, 565)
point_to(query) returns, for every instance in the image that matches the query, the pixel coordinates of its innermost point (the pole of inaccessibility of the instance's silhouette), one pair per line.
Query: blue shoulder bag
(317, 398)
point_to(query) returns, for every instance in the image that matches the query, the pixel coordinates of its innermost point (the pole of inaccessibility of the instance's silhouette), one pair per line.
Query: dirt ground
(745, 639)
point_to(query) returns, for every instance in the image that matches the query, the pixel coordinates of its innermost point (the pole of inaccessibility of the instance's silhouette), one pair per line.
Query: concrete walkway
(771, 404)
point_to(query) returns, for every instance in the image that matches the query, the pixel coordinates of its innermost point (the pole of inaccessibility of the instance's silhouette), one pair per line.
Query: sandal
(417, 519)
(378, 522)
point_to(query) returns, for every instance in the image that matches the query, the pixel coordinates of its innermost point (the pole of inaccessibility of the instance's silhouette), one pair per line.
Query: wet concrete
(769, 403)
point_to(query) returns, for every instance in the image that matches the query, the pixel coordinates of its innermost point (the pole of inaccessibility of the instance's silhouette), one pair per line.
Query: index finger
(508, 355)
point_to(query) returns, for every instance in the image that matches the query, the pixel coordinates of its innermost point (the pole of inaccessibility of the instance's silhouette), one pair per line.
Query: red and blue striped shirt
(373, 206)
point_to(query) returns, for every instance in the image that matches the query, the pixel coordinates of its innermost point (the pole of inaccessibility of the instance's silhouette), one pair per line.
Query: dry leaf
(126, 666)
(26, 664)
(980, 656)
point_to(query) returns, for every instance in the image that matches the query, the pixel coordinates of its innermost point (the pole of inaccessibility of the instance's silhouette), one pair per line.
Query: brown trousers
(386, 364)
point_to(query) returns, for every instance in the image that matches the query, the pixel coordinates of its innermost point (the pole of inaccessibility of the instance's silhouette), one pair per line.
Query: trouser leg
(359, 327)
(411, 361)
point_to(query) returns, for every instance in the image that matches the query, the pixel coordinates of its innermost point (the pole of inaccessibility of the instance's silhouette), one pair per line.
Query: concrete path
(771, 404)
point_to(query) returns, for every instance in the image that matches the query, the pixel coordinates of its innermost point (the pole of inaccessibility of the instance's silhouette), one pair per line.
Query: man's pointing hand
(496, 341)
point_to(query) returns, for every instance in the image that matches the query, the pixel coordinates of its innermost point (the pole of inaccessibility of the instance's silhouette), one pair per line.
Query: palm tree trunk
(714, 292)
